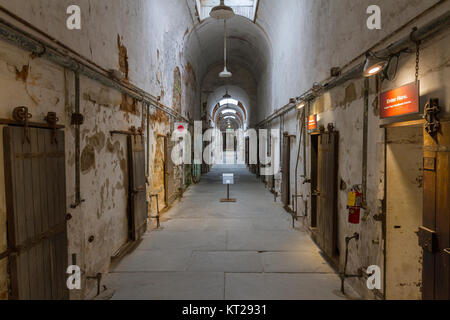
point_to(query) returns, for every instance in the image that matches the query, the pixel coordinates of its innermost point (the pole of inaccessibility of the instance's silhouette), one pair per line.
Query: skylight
(245, 8)
(228, 101)
(229, 111)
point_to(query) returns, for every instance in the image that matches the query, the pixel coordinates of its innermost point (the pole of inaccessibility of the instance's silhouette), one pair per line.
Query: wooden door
(327, 192)
(137, 185)
(285, 182)
(35, 180)
(434, 236)
(314, 178)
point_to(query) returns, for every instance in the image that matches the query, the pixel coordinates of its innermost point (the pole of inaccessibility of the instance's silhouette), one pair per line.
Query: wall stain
(123, 58)
(177, 90)
(97, 141)
(87, 159)
(350, 94)
(23, 73)
(129, 104)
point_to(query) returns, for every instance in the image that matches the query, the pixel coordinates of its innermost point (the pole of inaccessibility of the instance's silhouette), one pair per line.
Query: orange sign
(400, 101)
(312, 122)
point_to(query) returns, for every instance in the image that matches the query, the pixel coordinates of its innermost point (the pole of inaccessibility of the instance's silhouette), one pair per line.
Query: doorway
(169, 173)
(314, 182)
(138, 214)
(404, 206)
(286, 171)
(35, 176)
(434, 235)
(324, 166)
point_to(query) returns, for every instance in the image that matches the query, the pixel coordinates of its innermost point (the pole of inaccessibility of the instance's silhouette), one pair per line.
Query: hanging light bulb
(222, 11)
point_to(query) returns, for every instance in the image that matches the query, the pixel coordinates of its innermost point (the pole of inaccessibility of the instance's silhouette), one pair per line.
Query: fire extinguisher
(354, 204)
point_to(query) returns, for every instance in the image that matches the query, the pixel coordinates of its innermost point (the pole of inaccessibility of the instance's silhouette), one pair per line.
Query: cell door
(138, 187)
(327, 192)
(285, 185)
(434, 235)
(35, 180)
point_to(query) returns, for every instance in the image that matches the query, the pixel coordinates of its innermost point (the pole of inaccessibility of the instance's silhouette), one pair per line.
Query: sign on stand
(228, 178)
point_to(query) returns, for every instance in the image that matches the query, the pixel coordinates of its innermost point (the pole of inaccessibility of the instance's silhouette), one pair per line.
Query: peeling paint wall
(145, 50)
(308, 59)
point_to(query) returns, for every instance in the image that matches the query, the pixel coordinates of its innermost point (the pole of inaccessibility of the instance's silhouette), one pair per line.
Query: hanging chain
(417, 60)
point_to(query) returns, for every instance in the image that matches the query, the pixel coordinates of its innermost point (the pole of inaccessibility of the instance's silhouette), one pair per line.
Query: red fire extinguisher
(354, 204)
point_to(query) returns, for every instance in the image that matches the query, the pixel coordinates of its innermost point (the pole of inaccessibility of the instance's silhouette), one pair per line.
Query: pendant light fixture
(225, 73)
(222, 11)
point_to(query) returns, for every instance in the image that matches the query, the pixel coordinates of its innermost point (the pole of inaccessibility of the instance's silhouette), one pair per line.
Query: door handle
(446, 251)
(315, 193)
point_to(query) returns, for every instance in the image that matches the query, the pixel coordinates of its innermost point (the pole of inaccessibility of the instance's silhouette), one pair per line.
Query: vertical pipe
(365, 141)
(77, 144)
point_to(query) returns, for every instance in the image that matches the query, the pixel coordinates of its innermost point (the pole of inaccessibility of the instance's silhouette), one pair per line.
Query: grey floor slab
(259, 240)
(226, 262)
(188, 240)
(281, 286)
(167, 286)
(295, 262)
(152, 261)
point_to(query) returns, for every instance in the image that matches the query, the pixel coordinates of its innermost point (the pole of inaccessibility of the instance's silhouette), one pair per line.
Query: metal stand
(228, 196)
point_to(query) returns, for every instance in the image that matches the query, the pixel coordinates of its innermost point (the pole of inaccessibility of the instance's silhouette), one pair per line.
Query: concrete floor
(206, 250)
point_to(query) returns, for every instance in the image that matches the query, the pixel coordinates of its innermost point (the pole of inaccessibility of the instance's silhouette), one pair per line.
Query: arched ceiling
(236, 93)
(248, 45)
(249, 57)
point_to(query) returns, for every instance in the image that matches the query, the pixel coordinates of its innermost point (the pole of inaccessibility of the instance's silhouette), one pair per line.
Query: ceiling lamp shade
(225, 73)
(222, 11)
(373, 65)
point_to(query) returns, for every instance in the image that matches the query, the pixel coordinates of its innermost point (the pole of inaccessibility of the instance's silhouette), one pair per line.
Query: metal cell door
(327, 192)
(434, 236)
(35, 181)
(138, 194)
(285, 186)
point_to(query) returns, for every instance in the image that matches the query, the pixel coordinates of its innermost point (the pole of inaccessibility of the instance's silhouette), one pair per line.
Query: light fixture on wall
(301, 104)
(222, 11)
(374, 65)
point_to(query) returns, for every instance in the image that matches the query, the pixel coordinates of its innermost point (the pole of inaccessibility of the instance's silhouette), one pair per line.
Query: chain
(417, 61)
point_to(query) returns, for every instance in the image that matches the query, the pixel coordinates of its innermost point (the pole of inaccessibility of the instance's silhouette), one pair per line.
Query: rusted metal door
(171, 192)
(35, 181)
(137, 185)
(327, 192)
(434, 236)
(285, 183)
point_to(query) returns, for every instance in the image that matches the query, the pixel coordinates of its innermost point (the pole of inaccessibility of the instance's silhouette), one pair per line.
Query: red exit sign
(400, 101)
(312, 122)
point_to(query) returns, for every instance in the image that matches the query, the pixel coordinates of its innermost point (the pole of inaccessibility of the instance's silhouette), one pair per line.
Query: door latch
(428, 239)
